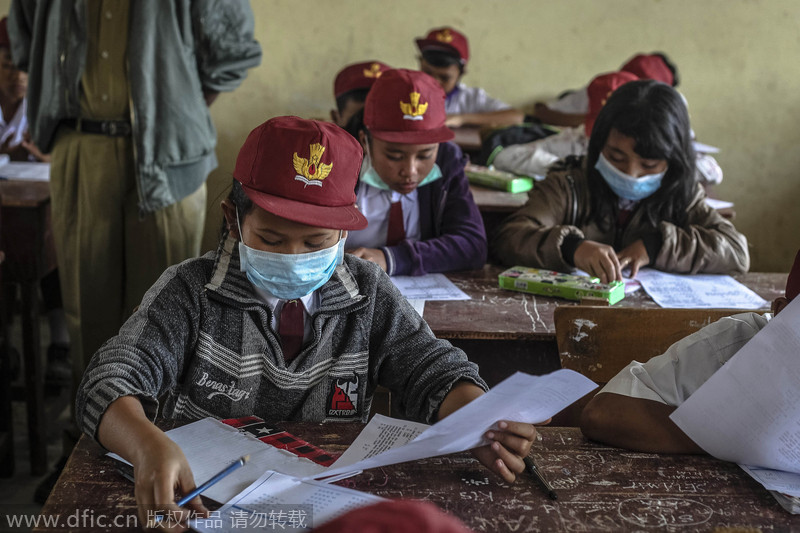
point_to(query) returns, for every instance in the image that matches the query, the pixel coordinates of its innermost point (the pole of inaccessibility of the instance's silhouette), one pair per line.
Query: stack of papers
(698, 291)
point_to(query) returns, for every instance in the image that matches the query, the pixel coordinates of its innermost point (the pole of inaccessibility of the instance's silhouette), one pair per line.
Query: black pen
(532, 469)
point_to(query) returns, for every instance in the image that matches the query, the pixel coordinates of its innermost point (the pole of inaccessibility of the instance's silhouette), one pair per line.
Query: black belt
(112, 128)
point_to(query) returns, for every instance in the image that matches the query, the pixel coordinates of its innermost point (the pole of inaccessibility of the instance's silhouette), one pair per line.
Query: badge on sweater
(343, 398)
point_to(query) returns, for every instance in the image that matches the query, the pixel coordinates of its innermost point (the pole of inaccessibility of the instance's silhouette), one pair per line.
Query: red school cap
(304, 171)
(600, 88)
(5, 40)
(446, 39)
(649, 67)
(407, 106)
(358, 76)
(396, 516)
(793, 281)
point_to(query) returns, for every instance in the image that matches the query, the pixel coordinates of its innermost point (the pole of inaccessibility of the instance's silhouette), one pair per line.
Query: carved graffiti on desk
(664, 512)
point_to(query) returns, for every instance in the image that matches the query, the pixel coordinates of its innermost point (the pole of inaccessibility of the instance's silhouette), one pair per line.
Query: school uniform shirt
(203, 342)
(558, 213)
(673, 376)
(310, 303)
(465, 99)
(12, 131)
(374, 203)
(451, 233)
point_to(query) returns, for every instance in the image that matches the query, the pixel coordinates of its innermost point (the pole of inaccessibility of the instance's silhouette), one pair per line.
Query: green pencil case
(569, 286)
(497, 179)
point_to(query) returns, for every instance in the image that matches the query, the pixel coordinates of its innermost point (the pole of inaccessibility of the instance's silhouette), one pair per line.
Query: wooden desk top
(15, 193)
(493, 200)
(468, 138)
(495, 313)
(599, 488)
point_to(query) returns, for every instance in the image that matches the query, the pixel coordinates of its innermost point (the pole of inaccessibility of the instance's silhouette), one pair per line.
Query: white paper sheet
(713, 203)
(428, 287)
(209, 446)
(381, 434)
(698, 291)
(785, 482)
(25, 171)
(748, 412)
(278, 502)
(418, 305)
(521, 398)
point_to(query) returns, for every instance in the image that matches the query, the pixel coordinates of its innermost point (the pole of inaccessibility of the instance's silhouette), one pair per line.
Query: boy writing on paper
(278, 323)
(444, 56)
(413, 189)
(632, 410)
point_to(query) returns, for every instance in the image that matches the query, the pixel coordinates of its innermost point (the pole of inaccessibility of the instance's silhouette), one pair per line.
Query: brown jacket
(560, 206)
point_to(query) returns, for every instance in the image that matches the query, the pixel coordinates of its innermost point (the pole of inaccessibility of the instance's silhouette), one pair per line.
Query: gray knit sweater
(202, 343)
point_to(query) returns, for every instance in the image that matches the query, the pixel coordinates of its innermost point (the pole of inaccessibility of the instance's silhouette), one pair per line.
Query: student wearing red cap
(350, 89)
(632, 410)
(632, 201)
(413, 189)
(571, 108)
(278, 323)
(445, 53)
(534, 158)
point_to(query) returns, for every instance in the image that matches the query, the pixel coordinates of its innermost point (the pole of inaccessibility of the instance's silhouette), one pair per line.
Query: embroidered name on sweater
(220, 388)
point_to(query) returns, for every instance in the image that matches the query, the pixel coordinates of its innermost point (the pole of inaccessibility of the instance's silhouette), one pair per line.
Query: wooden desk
(27, 239)
(468, 138)
(520, 327)
(599, 488)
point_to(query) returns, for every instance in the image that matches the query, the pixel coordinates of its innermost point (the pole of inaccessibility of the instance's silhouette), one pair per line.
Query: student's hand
(504, 456)
(160, 470)
(599, 260)
(634, 256)
(454, 121)
(371, 254)
(35, 152)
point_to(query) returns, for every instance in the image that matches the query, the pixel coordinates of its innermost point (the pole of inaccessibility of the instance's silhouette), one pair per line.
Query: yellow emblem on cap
(374, 71)
(413, 110)
(312, 171)
(444, 36)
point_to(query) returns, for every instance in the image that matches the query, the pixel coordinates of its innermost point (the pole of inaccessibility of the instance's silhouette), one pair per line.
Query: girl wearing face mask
(412, 188)
(632, 201)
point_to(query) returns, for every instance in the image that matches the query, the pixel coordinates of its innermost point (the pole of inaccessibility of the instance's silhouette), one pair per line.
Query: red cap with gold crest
(358, 76)
(446, 39)
(600, 88)
(793, 281)
(649, 67)
(407, 106)
(302, 170)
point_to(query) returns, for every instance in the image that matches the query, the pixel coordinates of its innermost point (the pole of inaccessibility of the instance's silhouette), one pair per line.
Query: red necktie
(396, 231)
(290, 329)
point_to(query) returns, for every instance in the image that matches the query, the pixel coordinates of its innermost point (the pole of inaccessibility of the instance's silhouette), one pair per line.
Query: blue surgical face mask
(626, 186)
(290, 276)
(370, 176)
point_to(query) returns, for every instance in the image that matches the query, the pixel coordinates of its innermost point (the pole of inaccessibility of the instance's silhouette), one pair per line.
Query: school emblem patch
(312, 171)
(444, 36)
(343, 398)
(413, 110)
(374, 71)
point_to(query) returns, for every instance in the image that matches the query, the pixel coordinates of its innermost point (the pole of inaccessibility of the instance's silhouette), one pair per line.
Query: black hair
(656, 117)
(243, 204)
(671, 66)
(357, 95)
(355, 124)
(442, 59)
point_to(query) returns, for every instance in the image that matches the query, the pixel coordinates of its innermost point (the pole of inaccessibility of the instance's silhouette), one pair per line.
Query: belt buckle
(109, 127)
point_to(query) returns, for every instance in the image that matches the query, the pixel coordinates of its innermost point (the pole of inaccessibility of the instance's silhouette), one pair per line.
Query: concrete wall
(737, 60)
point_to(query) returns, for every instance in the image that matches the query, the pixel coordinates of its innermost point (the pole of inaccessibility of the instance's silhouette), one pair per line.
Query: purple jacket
(452, 233)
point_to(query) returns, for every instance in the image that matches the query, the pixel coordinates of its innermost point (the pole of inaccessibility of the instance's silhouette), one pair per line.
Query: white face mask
(626, 186)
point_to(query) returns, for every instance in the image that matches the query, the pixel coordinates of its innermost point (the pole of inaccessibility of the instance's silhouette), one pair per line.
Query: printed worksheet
(428, 287)
(283, 503)
(25, 171)
(698, 291)
(381, 434)
(748, 412)
(785, 482)
(521, 398)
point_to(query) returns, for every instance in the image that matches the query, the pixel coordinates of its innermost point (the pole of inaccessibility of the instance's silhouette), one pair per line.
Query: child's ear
(362, 138)
(335, 117)
(229, 211)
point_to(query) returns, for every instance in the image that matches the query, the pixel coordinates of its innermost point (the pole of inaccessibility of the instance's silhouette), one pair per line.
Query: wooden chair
(598, 342)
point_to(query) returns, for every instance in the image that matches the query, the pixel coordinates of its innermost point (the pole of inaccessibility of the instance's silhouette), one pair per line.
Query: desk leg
(34, 378)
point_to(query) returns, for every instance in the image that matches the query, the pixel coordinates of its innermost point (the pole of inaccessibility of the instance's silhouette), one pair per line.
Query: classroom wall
(737, 60)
